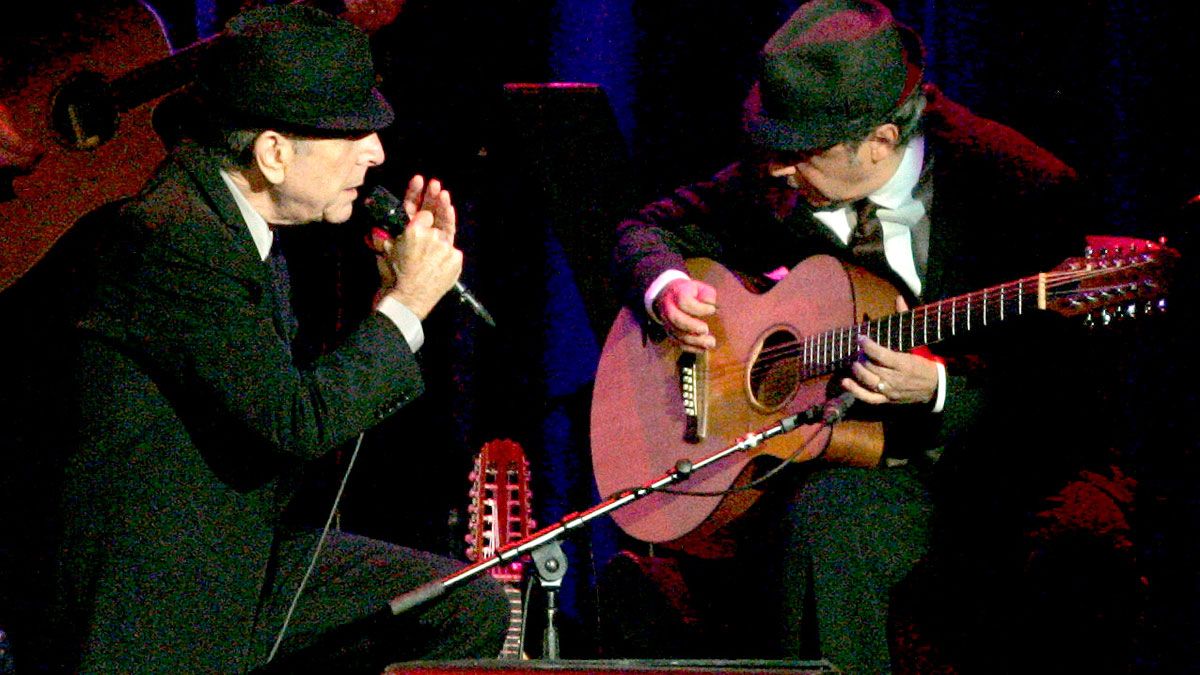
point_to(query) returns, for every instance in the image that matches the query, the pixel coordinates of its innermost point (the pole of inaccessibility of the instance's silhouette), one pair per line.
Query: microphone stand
(826, 413)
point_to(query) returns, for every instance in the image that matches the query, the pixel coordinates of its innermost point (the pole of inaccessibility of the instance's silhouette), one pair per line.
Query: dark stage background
(542, 173)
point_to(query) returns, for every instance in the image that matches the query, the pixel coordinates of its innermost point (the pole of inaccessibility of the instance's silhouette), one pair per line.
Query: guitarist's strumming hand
(885, 376)
(682, 306)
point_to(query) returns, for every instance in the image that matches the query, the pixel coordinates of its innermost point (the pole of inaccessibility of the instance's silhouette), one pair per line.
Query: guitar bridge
(693, 389)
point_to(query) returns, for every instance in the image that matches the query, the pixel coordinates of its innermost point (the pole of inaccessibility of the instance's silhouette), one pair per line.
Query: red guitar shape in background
(78, 130)
(499, 516)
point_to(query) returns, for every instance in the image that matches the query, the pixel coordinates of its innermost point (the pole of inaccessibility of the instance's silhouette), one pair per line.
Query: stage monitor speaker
(587, 667)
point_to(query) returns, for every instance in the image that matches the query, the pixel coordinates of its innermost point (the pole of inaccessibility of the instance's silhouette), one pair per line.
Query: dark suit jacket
(1003, 208)
(195, 420)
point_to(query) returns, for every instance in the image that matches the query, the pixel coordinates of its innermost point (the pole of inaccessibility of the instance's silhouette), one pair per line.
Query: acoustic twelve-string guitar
(654, 404)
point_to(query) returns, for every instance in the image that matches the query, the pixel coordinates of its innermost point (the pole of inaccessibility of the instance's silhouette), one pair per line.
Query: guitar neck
(162, 77)
(153, 80)
(516, 621)
(929, 324)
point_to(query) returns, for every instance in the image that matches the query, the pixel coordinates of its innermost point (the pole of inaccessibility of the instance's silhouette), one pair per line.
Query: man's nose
(371, 149)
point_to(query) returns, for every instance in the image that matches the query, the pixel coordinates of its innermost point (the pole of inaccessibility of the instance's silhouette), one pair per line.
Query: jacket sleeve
(206, 333)
(685, 224)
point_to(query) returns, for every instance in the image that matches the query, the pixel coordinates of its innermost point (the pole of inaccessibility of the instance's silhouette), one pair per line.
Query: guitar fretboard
(516, 619)
(823, 353)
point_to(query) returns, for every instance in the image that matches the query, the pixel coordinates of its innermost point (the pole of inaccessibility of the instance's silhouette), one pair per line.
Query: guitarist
(850, 153)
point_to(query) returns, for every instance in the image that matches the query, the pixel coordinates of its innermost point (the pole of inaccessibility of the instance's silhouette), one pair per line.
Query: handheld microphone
(385, 208)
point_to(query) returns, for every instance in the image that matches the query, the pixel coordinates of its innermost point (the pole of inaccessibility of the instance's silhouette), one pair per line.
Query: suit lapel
(243, 261)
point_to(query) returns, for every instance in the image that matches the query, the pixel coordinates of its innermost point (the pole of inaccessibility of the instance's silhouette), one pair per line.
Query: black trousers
(342, 624)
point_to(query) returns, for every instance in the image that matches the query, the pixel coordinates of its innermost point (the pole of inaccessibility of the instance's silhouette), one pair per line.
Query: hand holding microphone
(422, 263)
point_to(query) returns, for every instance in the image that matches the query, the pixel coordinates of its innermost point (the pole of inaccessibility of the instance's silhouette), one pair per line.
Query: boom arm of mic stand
(683, 470)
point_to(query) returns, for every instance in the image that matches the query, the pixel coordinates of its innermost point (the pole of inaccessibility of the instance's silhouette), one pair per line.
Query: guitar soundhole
(775, 370)
(83, 112)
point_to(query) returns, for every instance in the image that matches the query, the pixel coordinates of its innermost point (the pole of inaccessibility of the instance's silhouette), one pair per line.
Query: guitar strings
(831, 342)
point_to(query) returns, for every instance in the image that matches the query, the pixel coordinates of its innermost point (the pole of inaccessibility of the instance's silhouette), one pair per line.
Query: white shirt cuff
(940, 403)
(656, 288)
(405, 320)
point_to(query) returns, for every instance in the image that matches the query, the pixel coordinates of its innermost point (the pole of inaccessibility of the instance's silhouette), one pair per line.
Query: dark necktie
(285, 318)
(866, 239)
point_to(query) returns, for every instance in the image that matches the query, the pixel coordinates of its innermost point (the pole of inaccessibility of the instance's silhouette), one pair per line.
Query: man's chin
(338, 215)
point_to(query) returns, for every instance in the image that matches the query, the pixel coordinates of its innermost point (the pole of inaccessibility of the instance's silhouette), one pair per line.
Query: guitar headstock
(499, 513)
(1116, 278)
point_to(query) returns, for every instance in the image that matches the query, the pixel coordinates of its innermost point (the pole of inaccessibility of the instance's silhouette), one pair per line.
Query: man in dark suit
(196, 417)
(853, 155)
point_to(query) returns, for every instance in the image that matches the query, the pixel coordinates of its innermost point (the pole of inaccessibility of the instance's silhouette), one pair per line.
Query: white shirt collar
(899, 188)
(260, 232)
(898, 212)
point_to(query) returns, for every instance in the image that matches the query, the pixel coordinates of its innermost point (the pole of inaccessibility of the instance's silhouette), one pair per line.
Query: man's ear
(885, 141)
(272, 153)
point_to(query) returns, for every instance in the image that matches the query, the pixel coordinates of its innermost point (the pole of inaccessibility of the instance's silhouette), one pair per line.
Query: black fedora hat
(836, 69)
(294, 67)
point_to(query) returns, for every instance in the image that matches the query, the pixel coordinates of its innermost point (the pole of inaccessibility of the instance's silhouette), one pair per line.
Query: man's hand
(434, 199)
(420, 266)
(682, 306)
(886, 376)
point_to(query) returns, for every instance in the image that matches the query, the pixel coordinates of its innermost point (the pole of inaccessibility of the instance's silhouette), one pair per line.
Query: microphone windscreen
(387, 210)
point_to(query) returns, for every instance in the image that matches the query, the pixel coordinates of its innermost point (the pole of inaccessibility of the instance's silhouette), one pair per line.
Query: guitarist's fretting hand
(885, 376)
(682, 306)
